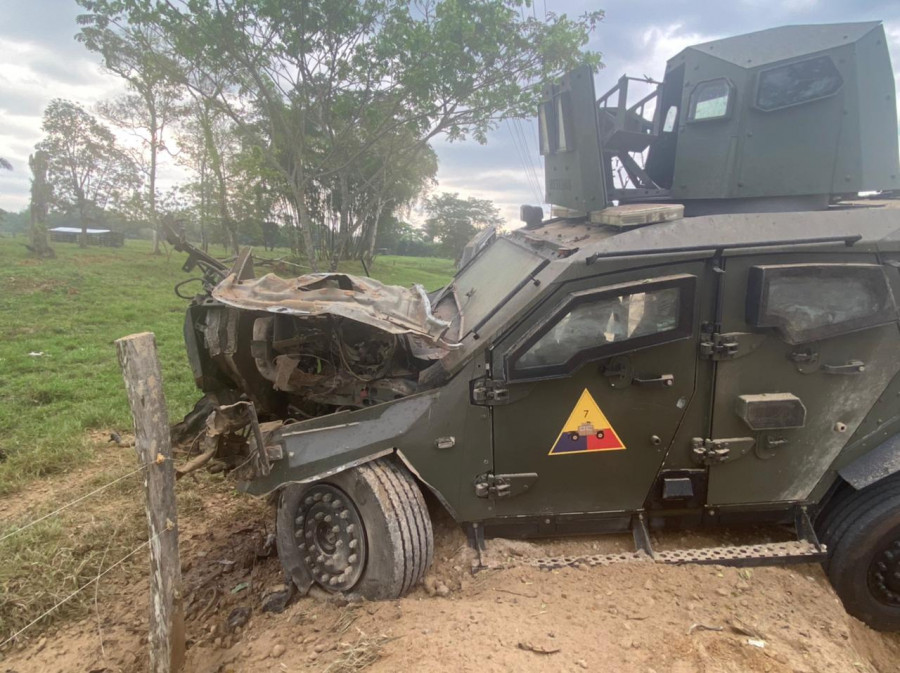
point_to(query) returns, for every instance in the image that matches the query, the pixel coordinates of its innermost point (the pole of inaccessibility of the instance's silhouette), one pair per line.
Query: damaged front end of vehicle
(272, 352)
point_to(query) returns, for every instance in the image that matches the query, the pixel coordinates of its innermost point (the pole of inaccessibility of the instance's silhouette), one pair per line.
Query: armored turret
(790, 118)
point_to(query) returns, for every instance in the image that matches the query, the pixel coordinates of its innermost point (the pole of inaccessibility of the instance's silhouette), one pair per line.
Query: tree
(453, 221)
(380, 181)
(317, 85)
(40, 204)
(211, 147)
(86, 170)
(147, 117)
(152, 106)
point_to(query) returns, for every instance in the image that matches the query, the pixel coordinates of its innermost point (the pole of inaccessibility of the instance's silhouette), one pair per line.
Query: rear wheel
(363, 532)
(847, 505)
(865, 561)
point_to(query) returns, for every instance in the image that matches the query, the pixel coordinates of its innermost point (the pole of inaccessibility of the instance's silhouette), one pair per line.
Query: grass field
(61, 392)
(58, 371)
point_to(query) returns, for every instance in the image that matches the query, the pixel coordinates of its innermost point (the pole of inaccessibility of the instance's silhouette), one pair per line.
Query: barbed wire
(28, 525)
(84, 586)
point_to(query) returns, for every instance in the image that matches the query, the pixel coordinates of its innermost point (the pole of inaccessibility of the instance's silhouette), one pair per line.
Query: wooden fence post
(143, 384)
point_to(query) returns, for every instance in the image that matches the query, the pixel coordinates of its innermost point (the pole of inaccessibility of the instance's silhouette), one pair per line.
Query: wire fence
(101, 572)
(70, 504)
(86, 585)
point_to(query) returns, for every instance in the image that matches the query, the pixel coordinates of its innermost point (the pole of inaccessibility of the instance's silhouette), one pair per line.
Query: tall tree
(210, 145)
(146, 117)
(41, 195)
(86, 169)
(315, 85)
(453, 221)
(152, 106)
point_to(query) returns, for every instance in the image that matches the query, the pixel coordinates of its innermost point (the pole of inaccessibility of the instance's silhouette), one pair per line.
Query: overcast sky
(40, 60)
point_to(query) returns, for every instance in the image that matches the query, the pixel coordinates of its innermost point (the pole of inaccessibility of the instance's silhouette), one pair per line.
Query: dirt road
(637, 617)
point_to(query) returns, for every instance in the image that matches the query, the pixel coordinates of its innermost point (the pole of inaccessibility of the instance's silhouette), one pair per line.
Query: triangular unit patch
(587, 430)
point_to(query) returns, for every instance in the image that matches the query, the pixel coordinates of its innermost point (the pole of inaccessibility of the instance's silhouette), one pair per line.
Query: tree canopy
(452, 221)
(86, 170)
(339, 99)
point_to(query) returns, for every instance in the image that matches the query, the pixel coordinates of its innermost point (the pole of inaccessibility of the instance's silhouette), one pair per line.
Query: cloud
(16, 101)
(73, 71)
(31, 75)
(40, 60)
(14, 187)
(51, 24)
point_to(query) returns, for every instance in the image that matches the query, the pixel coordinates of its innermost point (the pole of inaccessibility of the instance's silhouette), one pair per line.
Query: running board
(806, 549)
(772, 553)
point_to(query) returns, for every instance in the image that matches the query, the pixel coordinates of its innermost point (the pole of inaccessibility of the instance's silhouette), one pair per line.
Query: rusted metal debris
(297, 348)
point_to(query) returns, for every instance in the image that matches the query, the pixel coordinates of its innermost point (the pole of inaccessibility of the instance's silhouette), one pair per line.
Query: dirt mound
(629, 617)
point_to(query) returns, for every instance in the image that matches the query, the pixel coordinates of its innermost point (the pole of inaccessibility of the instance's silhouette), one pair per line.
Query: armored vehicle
(705, 332)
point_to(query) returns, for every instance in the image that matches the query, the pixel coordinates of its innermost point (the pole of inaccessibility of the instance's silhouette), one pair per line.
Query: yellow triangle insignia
(587, 430)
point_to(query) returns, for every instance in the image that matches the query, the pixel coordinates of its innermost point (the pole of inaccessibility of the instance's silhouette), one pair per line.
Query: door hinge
(730, 345)
(716, 451)
(717, 346)
(489, 391)
(490, 485)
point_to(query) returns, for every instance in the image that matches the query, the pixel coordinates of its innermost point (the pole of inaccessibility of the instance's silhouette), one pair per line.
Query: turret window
(711, 100)
(797, 83)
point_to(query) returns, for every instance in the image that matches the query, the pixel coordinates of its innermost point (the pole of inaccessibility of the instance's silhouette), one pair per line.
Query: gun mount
(785, 119)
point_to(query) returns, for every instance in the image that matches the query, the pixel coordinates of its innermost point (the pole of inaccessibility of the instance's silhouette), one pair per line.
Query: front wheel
(364, 532)
(865, 564)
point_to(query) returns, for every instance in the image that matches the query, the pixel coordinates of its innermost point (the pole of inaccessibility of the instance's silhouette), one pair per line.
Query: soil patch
(628, 617)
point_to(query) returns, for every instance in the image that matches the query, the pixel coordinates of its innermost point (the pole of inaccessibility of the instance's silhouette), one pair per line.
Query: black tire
(386, 518)
(865, 562)
(847, 506)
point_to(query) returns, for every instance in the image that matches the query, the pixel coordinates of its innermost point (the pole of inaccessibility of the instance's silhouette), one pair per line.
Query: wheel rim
(330, 537)
(884, 574)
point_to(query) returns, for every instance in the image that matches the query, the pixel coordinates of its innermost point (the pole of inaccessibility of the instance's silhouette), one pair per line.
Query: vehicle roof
(873, 221)
(784, 42)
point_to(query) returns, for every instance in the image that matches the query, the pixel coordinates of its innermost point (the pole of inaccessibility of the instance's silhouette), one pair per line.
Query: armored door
(807, 345)
(596, 382)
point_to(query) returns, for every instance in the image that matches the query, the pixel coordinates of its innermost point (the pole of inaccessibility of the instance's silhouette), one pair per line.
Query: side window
(671, 118)
(806, 302)
(797, 83)
(545, 115)
(711, 100)
(555, 125)
(598, 323)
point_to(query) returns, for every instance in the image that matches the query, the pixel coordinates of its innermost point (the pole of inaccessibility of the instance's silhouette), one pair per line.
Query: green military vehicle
(705, 332)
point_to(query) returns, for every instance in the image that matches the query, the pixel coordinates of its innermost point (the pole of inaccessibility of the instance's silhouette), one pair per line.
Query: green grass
(46, 563)
(71, 310)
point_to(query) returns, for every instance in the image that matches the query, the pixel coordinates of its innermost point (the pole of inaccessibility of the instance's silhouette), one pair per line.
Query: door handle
(661, 381)
(852, 367)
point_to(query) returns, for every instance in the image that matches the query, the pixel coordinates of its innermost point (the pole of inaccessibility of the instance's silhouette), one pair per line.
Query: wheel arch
(425, 487)
(874, 465)
(274, 494)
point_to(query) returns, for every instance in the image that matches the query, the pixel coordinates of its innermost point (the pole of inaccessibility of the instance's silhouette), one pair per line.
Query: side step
(806, 549)
(772, 553)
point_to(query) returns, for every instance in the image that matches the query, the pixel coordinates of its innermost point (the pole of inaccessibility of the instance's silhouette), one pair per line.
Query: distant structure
(102, 237)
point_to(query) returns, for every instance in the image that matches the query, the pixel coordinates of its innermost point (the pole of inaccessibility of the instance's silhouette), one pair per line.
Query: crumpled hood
(394, 309)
